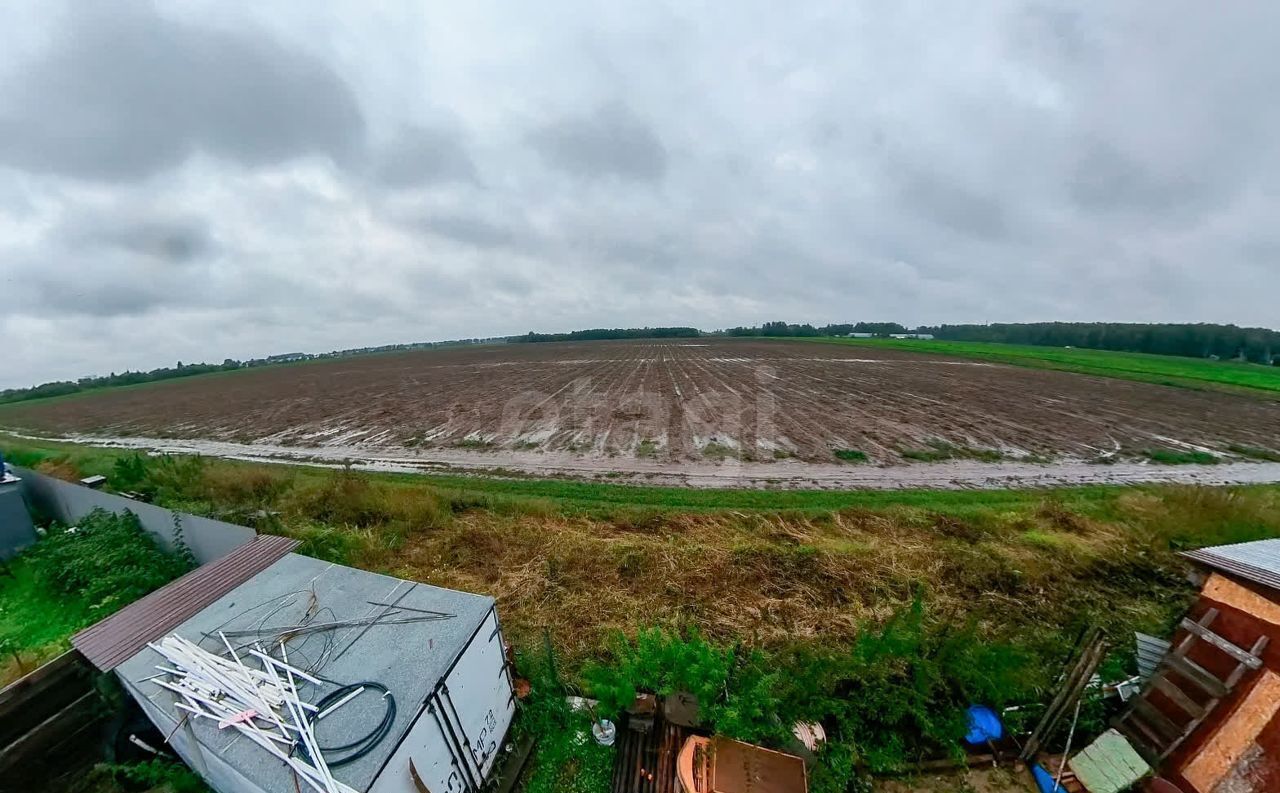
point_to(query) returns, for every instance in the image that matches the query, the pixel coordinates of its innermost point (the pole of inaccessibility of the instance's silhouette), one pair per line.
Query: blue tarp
(984, 725)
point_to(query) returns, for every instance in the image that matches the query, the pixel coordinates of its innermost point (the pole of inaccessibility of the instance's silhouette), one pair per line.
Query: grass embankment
(584, 559)
(571, 497)
(1162, 369)
(792, 579)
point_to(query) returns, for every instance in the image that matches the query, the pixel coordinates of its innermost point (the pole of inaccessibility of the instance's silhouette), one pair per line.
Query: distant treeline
(1259, 345)
(785, 329)
(600, 334)
(65, 387)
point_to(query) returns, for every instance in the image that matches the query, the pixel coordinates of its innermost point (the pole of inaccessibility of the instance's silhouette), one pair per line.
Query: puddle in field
(787, 474)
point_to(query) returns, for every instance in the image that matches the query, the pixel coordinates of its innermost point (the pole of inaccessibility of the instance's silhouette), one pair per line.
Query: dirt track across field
(697, 409)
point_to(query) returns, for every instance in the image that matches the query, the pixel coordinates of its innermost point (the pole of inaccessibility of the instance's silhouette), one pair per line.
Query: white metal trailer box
(446, 671)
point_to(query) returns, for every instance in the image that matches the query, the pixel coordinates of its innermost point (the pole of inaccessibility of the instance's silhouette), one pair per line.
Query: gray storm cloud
(205, 180)
(612, 141)
(124, 93)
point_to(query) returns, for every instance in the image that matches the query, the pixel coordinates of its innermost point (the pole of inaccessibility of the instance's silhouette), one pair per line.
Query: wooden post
(1092, 650)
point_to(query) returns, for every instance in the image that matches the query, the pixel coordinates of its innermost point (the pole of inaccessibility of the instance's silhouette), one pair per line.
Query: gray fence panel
(208, 539)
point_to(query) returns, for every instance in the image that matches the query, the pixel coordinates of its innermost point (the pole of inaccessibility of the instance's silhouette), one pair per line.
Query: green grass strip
(1161, 369)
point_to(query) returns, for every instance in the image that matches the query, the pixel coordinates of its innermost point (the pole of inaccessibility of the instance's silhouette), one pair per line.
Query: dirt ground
(663, 402)
(974, 780)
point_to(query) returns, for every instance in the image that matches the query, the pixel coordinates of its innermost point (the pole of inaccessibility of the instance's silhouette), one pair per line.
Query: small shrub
(350, 498)
(244, 486)
(718, 451)
(958, 528)
(338, 545)
(1179, 457)
(1060, 517)
(836, 771)
(939, 450)
(1255, 453)
(659, 661)
(850, 455)
(165, 478)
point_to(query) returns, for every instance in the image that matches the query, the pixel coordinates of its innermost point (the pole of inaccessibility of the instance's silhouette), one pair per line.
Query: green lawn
(1162, 369)
(33, 620)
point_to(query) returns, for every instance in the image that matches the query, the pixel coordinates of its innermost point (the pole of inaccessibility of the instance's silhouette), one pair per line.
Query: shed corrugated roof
(1257, 561)
(1151, 651)
(119, 637)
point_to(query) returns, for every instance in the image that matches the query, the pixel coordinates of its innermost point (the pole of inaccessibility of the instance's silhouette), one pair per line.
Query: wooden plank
(1147, 734)
(68, 662)
(1109, 764)
(1092, 649)
(51, 732)
(1232, 680)
(1197, 674)
(1098, 768)
(1238, 672)
(1206, 619)
(41, 693)
(1138, 743)
(1162, 723)
(1160, 683)
(70, 758)
(1241, 655)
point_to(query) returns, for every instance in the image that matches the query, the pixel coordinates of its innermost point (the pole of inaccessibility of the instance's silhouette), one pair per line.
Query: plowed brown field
(675, 400)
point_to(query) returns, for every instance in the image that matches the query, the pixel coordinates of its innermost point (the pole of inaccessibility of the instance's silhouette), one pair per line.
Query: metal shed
(16, 529)
(447, 674)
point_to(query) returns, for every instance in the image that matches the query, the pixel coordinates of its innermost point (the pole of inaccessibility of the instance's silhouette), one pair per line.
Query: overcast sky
(201, 179)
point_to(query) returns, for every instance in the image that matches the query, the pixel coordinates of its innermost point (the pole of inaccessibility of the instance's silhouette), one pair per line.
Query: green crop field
(1162, 369)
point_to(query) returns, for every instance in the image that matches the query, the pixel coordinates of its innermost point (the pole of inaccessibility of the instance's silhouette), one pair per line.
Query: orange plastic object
(720, 765)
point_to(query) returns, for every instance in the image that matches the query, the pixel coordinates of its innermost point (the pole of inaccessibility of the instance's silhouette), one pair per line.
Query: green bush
(108, 560)
(905, 688)
(899, 694)
(658, 661)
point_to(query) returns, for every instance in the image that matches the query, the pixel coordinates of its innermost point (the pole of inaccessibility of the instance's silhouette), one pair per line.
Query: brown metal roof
(119, 637)
(1257, 561)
